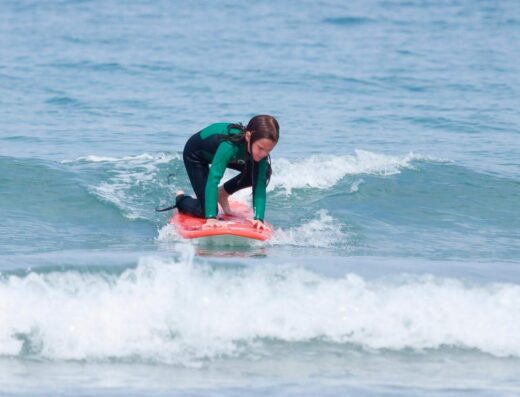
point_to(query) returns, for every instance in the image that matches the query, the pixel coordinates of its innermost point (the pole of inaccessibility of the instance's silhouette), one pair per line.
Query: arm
(260, 195)
(224, 153)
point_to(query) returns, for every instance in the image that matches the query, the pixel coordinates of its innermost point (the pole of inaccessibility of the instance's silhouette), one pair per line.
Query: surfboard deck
(235, 225)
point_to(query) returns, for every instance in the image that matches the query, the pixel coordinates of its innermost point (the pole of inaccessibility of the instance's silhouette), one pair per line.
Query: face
(261, 148)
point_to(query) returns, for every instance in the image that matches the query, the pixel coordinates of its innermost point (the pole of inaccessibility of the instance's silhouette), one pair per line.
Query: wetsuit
(209, 147)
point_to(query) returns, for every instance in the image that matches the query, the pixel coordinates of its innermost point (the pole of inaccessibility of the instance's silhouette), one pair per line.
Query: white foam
(321, 232)
(168, 233)
(172, 311)
(354, 187)
(323, 172)
(145, 157)
(129, 173)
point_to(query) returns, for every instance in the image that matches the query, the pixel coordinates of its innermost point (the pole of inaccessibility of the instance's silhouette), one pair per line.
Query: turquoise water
(394, 268)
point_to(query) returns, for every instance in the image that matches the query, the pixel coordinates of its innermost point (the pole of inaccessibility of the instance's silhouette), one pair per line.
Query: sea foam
(175, 311)
(323, 231)
(325, 171)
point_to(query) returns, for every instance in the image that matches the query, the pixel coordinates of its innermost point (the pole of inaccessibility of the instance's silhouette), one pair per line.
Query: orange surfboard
(237, 224)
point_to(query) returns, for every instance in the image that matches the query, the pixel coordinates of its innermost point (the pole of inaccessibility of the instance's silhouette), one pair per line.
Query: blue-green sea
(394, 269)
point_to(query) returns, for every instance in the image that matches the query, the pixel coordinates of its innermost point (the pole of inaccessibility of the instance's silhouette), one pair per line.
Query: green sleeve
(259, 198)
(224, 153)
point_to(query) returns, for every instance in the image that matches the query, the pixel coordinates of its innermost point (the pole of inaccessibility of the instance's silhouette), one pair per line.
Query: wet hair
(261, 126)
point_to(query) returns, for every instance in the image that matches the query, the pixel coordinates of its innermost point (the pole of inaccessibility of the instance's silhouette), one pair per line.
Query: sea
(394, 268)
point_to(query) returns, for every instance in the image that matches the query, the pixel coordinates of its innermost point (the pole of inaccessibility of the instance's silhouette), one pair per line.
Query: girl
(225, 145)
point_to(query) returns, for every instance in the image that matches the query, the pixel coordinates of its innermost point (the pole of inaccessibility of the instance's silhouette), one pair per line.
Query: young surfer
(225, 145)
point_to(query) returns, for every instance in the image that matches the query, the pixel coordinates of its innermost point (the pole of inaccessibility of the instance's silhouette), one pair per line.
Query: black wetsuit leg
(198, 170)
(245, 178)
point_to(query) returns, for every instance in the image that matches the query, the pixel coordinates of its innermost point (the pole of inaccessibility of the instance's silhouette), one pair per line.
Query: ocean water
(394, 269)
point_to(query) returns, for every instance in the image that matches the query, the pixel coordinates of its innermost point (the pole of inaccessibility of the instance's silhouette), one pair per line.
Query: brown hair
(261, 126)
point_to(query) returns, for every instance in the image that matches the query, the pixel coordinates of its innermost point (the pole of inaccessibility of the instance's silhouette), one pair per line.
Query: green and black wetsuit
(210, 146)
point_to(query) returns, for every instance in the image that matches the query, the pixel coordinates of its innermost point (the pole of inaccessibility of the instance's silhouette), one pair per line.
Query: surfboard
(237, 224)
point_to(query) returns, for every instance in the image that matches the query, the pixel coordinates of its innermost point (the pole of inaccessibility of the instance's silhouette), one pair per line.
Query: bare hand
(259, 225)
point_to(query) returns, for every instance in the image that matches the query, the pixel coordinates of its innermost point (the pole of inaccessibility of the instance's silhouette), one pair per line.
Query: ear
(248, 136)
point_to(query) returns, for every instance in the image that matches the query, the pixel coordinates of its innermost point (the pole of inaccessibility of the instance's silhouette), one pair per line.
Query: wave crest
(173, 311)
(323, 172)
